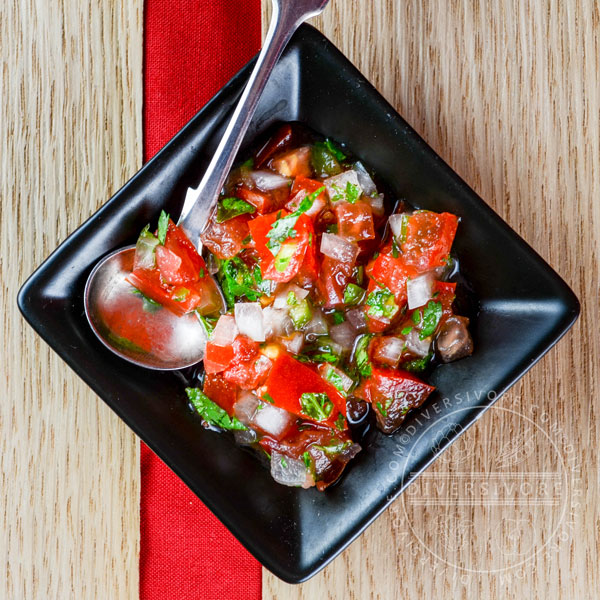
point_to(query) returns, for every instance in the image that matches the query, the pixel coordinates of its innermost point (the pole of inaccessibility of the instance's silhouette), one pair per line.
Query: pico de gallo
(334, 307)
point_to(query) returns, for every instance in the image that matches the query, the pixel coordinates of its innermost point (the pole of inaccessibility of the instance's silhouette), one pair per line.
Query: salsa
(335, 305)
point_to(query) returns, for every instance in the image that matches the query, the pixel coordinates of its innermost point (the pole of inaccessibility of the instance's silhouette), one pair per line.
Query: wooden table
(507, 92)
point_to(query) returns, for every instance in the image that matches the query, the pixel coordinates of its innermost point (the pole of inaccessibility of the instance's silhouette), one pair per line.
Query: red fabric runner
(191, 49)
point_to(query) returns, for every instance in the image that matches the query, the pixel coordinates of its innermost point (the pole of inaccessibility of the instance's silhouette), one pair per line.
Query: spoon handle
(200, 202)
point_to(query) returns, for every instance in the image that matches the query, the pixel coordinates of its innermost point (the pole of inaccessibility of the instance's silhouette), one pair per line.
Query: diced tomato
(277, 143)
(333, 281)
(286, 265)
(355, 221)
(178, 299)
(178, 242)
(219, 390)
(446, 293)
(263, 201)
(217, 358)
(294, 163)
(429, 237)
(309, 269)
(393, 273)
(226, 239)
(174, 269)
(289, 379)
(247, 368)
(385, 384)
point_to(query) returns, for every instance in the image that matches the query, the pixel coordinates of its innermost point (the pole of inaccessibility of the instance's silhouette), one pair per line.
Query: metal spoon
(178, 342)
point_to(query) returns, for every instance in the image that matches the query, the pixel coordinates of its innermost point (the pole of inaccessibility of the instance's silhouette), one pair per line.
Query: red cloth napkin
(191, 49)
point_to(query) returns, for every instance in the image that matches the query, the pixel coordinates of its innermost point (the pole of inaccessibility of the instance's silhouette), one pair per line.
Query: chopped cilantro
(316, 406)
(163, 226)
(211, 412)
(335, 150)
(350, 194)
(432, 314)
(208, 322)
(406, 330)
(307, 459)
(381, 304)
(266, 396)
(333, 448)
(228, 208)
(416, 317)
(381, 409)
(181, 294)
(283, 462)
(291, 299)
(333, 377)
(395, 249)
(201, 273)
(238, 280)
(338, 317)
(418, 365)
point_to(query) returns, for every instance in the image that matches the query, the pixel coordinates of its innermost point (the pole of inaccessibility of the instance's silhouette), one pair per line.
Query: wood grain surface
(508, 93)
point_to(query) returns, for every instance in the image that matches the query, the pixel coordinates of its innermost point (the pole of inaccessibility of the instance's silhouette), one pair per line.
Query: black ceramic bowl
(522, 308)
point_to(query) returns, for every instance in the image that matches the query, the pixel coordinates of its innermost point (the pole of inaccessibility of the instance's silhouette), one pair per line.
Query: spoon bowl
(135, 328)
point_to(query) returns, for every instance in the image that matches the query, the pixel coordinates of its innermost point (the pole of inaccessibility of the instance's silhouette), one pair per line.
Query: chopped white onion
(281, 299)
(336, 185)
(366, 183)
(225, 331)
(338, 248)
(377, 204)
(272, 420)
(267, 180)
(277, 322)
(417, 346)
(395, 222)
(289, 471)
(389, 350)
(317, 325)
(343, 334)
(419, 290)
(245, 407)
(249, 319)
(294, 343)
(356, 317)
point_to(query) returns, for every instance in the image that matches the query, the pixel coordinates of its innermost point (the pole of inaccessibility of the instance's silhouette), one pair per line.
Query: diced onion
(294, 343)
(272, 420)
(366, 183)
(281, 300)
(289, 471)
(389, 350)
(345, 383)
(344, 335)
(267, 180)
(249, 319)
(245, 407)
(356, 317)
(417, 346)
(225, 331)
(336, 185)
(377, 204)
(276, 322)
(395, 222)
(338, 248)
(419, 290)
(317, 325)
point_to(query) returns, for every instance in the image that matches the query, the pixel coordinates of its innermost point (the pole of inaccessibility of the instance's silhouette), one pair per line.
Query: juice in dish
(335, 307)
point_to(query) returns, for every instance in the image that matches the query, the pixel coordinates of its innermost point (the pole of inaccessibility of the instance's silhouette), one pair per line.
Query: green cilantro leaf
(381, 303)
(307, 459)
(340, 422)
(431, 317)
(417, 365)
(163, 226)
(406, 330)
(228, 208)
(338, 317)
(316, 406)
(211, 412)
(335, 150)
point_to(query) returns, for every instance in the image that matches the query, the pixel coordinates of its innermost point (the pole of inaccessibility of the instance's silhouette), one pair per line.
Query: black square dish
(519, 309)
